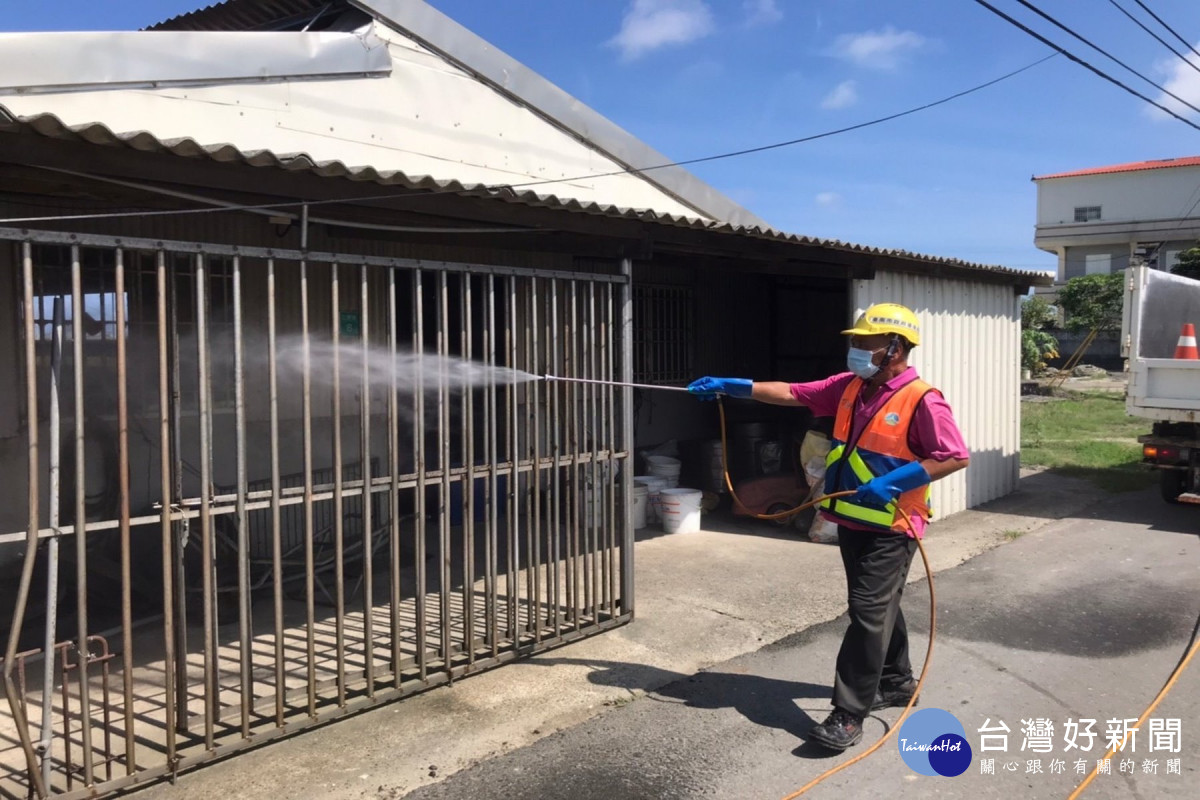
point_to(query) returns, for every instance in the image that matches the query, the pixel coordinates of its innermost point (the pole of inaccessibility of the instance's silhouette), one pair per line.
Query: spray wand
(614, 383)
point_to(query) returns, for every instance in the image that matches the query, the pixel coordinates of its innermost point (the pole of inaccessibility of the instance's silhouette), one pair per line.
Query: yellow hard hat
(887, 318)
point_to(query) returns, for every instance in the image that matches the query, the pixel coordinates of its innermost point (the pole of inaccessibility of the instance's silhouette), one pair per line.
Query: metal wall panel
(970, 336)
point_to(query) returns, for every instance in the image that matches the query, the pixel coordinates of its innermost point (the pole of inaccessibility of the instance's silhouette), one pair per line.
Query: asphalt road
(1081, 619)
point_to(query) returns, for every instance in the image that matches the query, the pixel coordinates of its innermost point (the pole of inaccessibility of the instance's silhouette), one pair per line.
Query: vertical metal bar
(123, 505)
(166, 529)
(581, 341)
(443, 429)
(569, 476)
(52, 546)
(514, 437)
(610, 440)
(418, 316)
(339, 530)
(16, 697)
(664, 331)
(393, 432)
(106, 704)
(368, 523)
(533, 582)
(208, 568)
(607, 464)
(65, 682)
(579, 601)
(553, 335)
(468, 445)
(586, 432)
(81, 576)
(306, 401)
(103, 311)
(534, 526)
(596, 488)
(626, 362)
(276, 488)
(246, 662)
(181, 532)
(493, 516)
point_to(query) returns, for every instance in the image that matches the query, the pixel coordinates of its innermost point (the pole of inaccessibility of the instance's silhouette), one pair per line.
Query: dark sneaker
(894, 696)
(840, 730)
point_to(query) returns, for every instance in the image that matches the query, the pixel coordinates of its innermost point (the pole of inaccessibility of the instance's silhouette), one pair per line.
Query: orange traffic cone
(1186, 347)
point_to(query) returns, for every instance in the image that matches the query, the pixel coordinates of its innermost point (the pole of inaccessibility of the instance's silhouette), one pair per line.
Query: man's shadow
(769, 702)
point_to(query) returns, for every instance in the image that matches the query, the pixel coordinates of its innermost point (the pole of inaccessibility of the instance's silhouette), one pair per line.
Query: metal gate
(269, 488)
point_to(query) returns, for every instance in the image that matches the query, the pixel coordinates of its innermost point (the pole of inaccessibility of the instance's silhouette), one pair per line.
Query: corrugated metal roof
(1136, 166)
(453, 98)
(96, 133)
(242, 15)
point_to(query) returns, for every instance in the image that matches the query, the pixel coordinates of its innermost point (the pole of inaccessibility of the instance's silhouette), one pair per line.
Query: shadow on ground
(793, 707)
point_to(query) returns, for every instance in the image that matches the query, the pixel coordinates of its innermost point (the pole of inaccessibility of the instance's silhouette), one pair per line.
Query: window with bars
(663, 334)
(1087, 213)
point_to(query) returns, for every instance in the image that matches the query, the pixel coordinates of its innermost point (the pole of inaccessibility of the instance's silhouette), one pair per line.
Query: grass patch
(1012, 535)
(1086, 436)
(1080, 416)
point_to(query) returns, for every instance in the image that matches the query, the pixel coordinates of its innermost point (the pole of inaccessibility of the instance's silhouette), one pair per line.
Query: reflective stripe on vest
(882, 446)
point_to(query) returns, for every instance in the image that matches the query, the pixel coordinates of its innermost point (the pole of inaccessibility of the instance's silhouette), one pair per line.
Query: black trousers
(875, 647)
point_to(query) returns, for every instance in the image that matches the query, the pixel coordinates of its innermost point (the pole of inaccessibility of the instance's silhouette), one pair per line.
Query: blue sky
(697, 77)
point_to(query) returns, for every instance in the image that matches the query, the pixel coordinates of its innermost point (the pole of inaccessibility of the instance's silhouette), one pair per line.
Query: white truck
(1161, 387)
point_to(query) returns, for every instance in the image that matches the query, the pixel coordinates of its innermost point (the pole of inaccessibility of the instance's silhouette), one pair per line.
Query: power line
(514, 186)
(1104, 52)
(888, 118)
(1083, 63)
(1161, 41)
(1171, 30)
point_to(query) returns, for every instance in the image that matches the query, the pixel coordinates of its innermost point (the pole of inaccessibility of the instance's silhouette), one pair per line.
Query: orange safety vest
(881, 447)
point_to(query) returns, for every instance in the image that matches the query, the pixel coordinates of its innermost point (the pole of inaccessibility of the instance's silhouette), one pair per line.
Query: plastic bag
(813, 451)
(823, 531)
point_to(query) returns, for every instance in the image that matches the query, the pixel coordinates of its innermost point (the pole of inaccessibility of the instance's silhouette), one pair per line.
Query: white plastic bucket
(665, 467)
(653, 485)
(681, 510)
(641, 499)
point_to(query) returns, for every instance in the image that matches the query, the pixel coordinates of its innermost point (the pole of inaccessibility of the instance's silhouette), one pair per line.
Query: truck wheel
(1173, 482)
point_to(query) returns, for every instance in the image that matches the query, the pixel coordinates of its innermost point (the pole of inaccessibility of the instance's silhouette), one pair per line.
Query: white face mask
(859, 362)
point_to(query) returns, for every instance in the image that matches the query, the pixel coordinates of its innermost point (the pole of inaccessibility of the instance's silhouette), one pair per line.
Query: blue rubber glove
(708, 388)
(886, 488)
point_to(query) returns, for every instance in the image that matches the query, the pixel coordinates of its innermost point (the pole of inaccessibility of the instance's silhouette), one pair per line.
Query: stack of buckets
(657, 498)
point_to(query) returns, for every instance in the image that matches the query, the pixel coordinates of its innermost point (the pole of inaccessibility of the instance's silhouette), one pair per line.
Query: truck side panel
(1157, 304)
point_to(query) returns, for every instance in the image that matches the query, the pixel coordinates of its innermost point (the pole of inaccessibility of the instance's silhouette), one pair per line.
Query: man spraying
(893, 435)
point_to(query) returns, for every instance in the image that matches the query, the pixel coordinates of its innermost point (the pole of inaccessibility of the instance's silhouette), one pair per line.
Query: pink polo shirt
(932, 433)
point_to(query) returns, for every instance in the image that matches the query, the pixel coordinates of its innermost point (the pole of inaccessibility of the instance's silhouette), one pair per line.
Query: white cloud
(651, 24)
(844, 95)
(828, 199)
(883, 49)
(761, 12)
(1183, 80)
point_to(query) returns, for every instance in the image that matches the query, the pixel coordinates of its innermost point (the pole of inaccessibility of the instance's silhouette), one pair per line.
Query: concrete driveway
(1057, 602)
